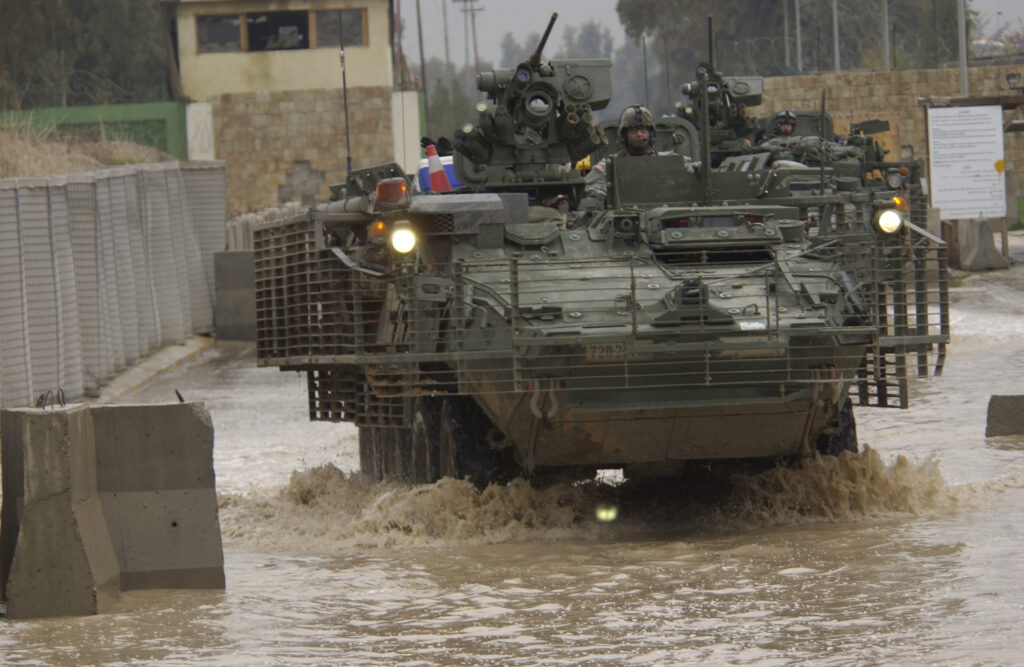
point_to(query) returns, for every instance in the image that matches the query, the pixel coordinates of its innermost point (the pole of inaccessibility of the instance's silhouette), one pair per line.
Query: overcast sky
(521, 17)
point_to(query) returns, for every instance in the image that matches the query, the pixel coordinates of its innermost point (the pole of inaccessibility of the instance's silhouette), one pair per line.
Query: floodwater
(907, 553)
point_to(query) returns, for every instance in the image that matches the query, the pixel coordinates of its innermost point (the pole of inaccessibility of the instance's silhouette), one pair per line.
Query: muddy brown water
(909, 552)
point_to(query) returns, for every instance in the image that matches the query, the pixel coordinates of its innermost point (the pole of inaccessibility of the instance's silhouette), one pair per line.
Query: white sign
(965, 152)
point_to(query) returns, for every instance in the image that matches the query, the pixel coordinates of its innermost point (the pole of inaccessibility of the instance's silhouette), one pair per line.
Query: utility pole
(450, 121)
(423, 64)
(835, 33)
(447, 54)
(799, 40)
(785, 30)
(961, 26)
(885, 33)
(400, 80)
(465, 26)
(472, 17)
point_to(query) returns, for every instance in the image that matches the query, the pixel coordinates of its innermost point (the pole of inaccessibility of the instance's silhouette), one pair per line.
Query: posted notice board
(965, 153)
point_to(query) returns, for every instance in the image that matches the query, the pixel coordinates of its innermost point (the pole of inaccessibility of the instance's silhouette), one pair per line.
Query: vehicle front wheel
(426, 444)
(465, 451)
(846, 437)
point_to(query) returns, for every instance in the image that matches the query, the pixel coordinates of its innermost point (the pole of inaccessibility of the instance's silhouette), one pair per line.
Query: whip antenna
(344, 89)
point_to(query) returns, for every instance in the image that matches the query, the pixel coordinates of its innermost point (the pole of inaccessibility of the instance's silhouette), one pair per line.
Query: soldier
(785, 123)
(636, 136)
(636, 131)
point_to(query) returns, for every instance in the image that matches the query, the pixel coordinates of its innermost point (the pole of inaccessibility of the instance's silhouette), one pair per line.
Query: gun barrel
(535, 57)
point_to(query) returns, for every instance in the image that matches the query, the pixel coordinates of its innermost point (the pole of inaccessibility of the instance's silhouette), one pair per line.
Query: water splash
(323, 509)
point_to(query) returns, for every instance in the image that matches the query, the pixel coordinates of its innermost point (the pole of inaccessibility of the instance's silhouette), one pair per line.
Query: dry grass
(25, 153)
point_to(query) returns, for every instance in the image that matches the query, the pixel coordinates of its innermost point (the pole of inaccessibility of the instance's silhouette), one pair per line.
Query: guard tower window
(353, 30)
(277, 31)
(219, 34)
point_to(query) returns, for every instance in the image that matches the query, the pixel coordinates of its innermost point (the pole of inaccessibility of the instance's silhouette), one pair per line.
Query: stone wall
(289, 146)
(892, 96)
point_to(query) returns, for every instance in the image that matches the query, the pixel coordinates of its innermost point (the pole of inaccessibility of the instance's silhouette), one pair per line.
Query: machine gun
(537, 121)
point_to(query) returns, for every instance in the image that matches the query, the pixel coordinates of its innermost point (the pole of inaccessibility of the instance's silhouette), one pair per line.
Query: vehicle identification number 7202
(600, 352)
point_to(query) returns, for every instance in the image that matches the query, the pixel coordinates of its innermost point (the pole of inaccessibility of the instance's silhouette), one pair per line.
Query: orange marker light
(378, 228)
(901, 203)
(391, 189)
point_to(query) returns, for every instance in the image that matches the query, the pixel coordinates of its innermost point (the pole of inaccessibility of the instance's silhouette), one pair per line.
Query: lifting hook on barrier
(49, 399)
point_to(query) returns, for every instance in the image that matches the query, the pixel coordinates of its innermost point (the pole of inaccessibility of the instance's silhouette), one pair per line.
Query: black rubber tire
(399, 448)
(368, 460)
(373, 452)
(425, 441)
(464, 450)
(846, 439)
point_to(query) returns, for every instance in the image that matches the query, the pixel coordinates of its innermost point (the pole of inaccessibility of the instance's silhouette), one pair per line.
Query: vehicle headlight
(403, 238)
(889, 221)
(894, 179)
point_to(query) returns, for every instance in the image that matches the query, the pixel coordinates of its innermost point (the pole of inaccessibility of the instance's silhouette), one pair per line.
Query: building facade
(266, 79)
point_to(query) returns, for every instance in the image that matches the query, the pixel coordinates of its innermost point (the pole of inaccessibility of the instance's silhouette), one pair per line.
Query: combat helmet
(635, 116)
(785, 117)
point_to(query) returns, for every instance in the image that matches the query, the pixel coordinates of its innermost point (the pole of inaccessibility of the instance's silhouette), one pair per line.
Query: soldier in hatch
(785, 123)
(636, 136)
(636, 131)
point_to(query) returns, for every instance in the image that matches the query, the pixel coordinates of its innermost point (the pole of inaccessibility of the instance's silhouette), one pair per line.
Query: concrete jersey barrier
(101, 499)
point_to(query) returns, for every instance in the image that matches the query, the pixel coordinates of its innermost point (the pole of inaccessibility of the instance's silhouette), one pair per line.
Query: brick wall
(892, 96)
(289, 146)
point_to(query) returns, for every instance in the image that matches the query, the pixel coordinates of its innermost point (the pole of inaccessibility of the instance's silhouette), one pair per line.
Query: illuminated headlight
(403, 239)
(889, 221)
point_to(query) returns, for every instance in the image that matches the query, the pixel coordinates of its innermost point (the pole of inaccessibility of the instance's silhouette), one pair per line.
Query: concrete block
(154, 475)
(1005, 416)
(977, 248)
(101, 499)
(56, 557)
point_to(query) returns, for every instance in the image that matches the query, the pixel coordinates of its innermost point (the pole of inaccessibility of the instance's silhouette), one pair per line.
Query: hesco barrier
(97, 268)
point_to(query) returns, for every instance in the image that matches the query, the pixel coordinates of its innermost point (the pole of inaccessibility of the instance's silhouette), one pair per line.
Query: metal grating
(449, 328)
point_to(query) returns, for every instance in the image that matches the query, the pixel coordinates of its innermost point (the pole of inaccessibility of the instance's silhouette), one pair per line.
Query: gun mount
(727, 99)
(537, 120)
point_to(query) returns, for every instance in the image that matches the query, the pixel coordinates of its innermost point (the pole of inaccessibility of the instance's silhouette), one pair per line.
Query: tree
(513, 53)
(590, 40)
(451, 99)
(70, 52)
(750, 35)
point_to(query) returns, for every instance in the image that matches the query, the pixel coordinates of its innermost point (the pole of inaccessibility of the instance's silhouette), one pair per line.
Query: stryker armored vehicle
(857, 159)
(699, 314)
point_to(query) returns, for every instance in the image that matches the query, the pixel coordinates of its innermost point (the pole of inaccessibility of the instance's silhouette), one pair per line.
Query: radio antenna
(344, 89)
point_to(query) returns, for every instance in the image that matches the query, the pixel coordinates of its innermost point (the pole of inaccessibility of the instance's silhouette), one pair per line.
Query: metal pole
(799, 41)
(450, 121)
(885, 33)
(465, 28)
(668, 80)
(785, 30)
(961, 26)
(398, 39)
(423, 65)
(344, 90)
(476, 54)
(643, 44)
(835, 33)
(447, 54)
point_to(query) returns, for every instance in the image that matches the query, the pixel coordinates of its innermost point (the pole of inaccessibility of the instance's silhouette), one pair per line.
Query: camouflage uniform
(634, 116)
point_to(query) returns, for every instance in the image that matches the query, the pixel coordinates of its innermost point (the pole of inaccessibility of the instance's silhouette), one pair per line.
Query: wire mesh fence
(98, 268)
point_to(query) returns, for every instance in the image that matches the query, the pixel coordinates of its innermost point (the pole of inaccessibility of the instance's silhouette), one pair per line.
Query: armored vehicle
(699, 314)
